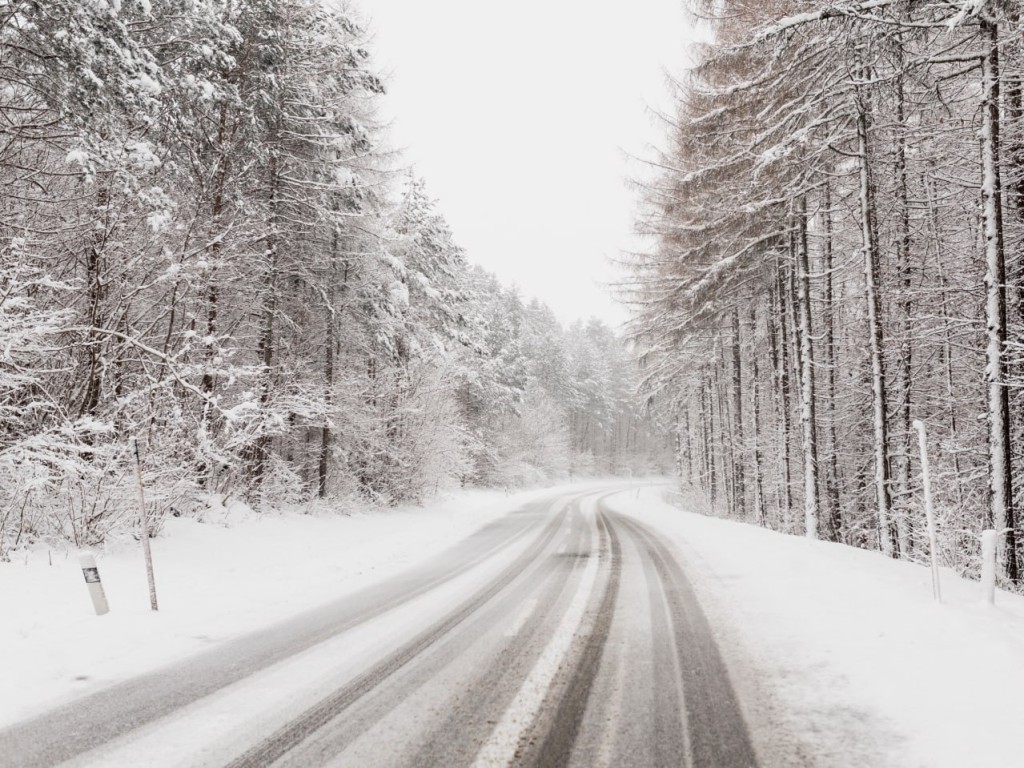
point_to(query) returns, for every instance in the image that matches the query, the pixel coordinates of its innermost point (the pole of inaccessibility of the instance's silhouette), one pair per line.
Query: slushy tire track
(630, 669)
(317, 716)
(561, 736)
(717, 731)
(486, 689)
(73, 729)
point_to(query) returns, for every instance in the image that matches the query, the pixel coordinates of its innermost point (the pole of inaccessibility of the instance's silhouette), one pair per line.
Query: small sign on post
(93, 583)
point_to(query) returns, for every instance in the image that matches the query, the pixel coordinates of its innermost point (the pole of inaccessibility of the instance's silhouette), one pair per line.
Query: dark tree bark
(1001, 509)
(883, 509)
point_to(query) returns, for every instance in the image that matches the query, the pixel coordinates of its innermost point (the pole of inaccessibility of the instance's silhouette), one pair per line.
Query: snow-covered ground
(846, 651)
(233, 573)
(840, 656)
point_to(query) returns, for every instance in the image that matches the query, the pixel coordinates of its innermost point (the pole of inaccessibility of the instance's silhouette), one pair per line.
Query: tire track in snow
(716, 731)
(287, 737)
(75, 728)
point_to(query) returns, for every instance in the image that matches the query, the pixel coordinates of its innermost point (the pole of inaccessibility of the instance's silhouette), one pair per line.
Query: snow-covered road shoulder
(234, 573)
(841, 655)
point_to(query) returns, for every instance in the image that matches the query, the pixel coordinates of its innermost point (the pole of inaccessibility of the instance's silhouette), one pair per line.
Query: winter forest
(211, 249)
(837, 230)
(208, 246)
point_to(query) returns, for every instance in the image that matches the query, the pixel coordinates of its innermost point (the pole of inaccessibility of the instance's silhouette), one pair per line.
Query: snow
(217, 579)
(840, 656)
(143, 156)
(394, 264)
(424, 283)
(170, 273)
(209, 731)
(148, 84)
(77, 157)
(829, 11)
(244, 408)
(846, 650)
(158, 221)
(343, 176)
(504, 743)
(399, 293)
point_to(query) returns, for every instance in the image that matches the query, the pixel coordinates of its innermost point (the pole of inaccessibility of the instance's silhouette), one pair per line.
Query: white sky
(521, 117)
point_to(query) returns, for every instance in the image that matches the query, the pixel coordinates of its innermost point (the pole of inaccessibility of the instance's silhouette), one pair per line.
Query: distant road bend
(562, 634)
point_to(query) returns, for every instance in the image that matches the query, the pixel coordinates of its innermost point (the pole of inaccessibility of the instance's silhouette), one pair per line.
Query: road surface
(562, 634)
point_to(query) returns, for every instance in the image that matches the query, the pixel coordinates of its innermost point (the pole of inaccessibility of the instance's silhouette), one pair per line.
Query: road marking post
(929, 509)
(93, 583)
(989, 540)
(144, 524)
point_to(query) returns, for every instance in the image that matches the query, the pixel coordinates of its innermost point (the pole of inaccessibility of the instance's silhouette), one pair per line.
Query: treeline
(837, 233)
(206, 244)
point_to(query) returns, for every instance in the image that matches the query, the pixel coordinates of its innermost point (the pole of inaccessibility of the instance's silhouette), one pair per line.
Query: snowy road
(560, 634)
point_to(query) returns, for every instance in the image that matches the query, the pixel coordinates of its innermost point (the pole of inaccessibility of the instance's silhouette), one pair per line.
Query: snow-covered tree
(843, 169)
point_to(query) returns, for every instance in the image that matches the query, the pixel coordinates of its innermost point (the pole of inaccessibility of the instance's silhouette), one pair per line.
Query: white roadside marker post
(989, 540)
(929, 509)
(93, 583)
(144, 524)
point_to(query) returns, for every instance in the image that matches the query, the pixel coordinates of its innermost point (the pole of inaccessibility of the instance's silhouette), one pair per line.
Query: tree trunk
(724, 438)
(759, 511)
(206, 384)
(781, 362)
(325, 432)
(807, 396)
(689, 444)
(887, 539)
(265, 348)
(681, 458)
(832, 484)
(1001, 508)
(709, 443)
(737, 433)
(902, 374)
(947, 337)
(92, 385)
(796, 361)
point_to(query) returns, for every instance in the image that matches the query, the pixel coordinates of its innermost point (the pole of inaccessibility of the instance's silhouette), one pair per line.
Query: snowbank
(845, 650)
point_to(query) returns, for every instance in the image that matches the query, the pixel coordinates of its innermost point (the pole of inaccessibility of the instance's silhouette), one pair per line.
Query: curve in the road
(99, 718)
(286, 738)
(584, 646)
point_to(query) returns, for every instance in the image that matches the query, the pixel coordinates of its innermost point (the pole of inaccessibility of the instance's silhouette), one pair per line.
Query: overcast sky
(521, 117)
